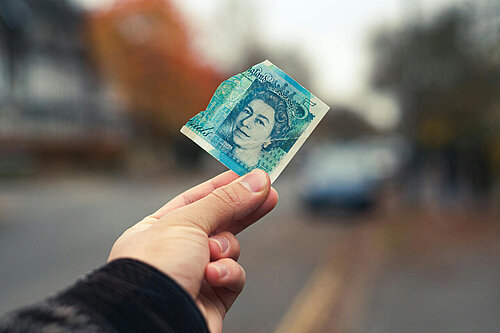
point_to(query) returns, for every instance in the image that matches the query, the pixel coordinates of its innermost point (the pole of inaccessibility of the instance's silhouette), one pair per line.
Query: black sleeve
(123, 296)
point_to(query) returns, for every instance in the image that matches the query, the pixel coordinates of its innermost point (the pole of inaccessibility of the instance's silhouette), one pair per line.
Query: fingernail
(223, 271)
(255, 181)
(222, 242)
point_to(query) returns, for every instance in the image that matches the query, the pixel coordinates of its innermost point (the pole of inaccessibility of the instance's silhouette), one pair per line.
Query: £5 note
(257, 119)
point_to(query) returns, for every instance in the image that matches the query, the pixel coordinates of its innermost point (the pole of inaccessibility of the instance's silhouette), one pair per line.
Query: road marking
(336, 286)
(312, 306)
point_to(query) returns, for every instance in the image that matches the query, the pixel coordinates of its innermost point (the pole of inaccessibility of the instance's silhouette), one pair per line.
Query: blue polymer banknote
(257, 119)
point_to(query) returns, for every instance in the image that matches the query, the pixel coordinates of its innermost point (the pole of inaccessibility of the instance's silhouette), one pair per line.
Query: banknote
(257, 119)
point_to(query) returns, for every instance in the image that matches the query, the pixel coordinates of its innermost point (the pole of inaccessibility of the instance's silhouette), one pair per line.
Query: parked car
(347, 176)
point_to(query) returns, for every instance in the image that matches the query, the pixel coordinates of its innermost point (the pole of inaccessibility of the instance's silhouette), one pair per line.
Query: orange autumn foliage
(143, 47)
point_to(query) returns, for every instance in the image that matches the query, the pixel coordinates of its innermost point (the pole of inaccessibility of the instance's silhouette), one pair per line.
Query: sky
(332, 35)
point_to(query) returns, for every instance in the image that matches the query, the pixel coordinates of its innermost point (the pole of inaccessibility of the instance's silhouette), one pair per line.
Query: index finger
(196, 193)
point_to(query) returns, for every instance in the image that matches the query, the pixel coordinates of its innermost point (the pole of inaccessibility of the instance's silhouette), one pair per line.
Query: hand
(191, 238)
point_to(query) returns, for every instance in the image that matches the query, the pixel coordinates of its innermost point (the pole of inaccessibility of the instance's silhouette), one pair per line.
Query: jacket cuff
(131, 296)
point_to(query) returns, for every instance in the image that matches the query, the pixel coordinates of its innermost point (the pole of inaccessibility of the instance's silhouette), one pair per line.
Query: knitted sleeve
(123, 296)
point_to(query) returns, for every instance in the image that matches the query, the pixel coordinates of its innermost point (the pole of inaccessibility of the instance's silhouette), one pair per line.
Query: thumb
(226, 204)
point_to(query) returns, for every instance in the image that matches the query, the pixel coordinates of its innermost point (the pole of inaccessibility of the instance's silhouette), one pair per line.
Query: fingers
(228, 279)
(268, 205)
(225, 204)
(196, 193)
(226, 273)
(224, 245)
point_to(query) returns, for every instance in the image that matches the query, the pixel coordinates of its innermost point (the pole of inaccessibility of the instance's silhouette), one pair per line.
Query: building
(52, 103)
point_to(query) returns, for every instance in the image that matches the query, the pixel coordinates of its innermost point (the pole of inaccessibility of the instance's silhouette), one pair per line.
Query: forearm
(123, 296)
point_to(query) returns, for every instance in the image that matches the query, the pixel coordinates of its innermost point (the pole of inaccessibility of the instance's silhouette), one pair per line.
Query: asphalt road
(454, 290)
(53, 231)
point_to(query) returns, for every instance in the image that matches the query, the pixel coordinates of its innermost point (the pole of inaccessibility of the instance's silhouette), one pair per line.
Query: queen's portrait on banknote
(256, 119)
(258, 122)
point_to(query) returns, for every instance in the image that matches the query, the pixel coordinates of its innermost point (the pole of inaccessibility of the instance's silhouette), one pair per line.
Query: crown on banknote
(297, 113)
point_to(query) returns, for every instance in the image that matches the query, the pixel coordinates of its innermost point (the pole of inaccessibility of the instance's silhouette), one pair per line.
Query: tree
(446, 87)
(142, 46)
(344, 123)
(443, 84)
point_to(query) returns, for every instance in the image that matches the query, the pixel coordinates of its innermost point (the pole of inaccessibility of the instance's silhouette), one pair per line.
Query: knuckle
(241, 279)
(235, 250)
(231, 238)
(243, 276)
(228, 196)
(233, 243)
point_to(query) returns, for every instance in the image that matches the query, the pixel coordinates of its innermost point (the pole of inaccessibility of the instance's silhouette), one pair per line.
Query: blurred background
(388, 216)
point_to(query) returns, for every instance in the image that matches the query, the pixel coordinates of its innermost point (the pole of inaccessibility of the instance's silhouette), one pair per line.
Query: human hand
(192, 240)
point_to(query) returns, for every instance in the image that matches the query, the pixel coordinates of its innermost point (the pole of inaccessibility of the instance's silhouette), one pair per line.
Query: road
(304, 273)
(53, 231)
